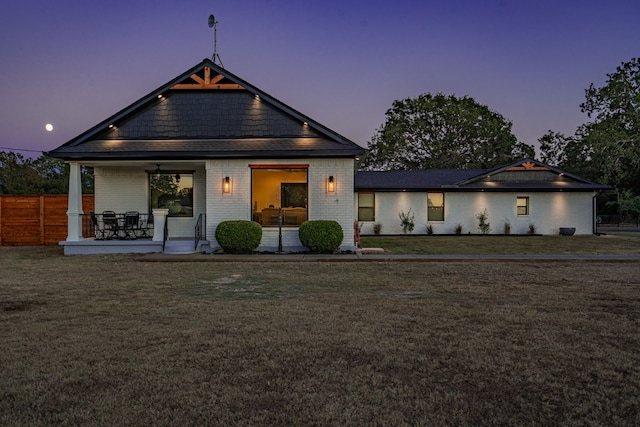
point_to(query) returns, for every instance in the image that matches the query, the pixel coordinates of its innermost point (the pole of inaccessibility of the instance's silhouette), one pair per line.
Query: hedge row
(241, 236)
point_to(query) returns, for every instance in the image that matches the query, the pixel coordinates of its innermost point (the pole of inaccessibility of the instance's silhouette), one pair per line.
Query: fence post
(42, 220)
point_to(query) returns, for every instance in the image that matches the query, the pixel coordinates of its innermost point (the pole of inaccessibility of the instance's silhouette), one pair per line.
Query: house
(204, 148)
(523, 194)
(208, 147)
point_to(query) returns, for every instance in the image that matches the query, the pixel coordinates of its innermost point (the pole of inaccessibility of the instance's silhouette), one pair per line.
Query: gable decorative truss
(528, 166)
(207, 82)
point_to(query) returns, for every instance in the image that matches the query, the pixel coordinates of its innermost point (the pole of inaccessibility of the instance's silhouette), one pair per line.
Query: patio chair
(146, 225)
(98, 230)
(110, 221)
(131, 224)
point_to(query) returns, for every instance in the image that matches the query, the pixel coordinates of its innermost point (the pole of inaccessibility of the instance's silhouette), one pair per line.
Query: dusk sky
(73, 63)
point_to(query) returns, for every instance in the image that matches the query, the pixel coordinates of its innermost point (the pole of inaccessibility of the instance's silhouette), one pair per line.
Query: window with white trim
(366, 206)
(522, 205)
(172, 190)
(435, 206)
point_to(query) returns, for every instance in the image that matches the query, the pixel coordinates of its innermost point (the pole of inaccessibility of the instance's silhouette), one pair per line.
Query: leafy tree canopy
(21, 175)
(606, 149)
(443, 132)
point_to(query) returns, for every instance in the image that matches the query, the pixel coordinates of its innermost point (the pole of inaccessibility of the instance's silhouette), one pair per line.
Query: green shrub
(377, 228)
(429, 229)
(239, 236)
(483, 225)
(323, 236)
(507, 227)
(407, 221)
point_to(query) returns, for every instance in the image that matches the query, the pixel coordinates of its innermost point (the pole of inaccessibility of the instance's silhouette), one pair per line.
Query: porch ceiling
(146, 164)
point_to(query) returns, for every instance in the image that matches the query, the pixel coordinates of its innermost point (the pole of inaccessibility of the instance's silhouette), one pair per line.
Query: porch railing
(199, 230)
(111, 225)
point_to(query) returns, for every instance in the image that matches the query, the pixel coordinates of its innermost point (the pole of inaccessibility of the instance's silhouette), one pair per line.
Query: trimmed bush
(323, 236)
(239, 236)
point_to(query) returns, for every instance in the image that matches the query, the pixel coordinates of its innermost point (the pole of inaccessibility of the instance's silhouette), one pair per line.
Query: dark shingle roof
(199, 114)
(512, 177)
(212, 123)
(411, 180)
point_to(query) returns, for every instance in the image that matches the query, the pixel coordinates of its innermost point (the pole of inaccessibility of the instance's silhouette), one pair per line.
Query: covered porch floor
(90, 246)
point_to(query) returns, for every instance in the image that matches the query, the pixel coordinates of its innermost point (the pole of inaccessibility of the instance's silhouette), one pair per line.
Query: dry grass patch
(104, 340)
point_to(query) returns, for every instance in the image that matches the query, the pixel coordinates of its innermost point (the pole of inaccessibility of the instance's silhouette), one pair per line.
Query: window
(172, 190)
(274, 187)
(366, 206)
(522, 205)
(435, 206)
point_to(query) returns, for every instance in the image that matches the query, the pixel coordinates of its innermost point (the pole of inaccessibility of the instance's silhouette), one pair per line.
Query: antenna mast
(214, 24)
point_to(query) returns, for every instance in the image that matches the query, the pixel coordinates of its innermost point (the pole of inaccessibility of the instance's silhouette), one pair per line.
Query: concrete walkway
(360, 257)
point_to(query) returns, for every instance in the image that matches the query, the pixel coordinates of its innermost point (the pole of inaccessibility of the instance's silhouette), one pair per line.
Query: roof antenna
(214, 24)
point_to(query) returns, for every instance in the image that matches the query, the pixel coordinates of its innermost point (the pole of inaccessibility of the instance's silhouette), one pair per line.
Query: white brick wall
(547, 211)
(321, 205)
(121, 189)
(126, 188)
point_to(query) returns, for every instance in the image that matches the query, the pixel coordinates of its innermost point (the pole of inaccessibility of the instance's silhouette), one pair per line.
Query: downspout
(594, 220)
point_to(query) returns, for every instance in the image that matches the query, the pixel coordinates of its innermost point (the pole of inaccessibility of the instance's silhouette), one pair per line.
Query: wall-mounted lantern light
(158, 172)
(226, 185)
(177, 178)
(331, 185)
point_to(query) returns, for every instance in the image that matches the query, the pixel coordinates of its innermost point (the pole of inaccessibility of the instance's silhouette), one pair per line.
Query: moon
(48, 127)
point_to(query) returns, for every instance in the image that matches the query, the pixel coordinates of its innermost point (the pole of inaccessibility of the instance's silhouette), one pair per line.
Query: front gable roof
(531, 175)
(524, 175)
(207, 112)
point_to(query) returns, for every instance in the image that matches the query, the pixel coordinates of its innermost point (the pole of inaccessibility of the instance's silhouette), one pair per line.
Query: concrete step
(180, 246)
(365, 251)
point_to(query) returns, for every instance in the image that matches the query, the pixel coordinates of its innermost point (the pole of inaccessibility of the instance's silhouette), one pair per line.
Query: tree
(614, 134)
(55, 174)
(627, 205)
(44, 175)
(17, 175)
(571, 153)
(443, 132)
(606, 149)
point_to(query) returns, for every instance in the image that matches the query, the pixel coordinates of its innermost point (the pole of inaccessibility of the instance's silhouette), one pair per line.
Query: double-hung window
(366, 206)
(522, 205)
(435, 206)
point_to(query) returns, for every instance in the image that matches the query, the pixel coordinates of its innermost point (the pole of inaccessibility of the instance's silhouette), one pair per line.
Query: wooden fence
(36, 220)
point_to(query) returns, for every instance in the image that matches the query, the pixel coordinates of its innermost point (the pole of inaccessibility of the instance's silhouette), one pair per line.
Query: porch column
(74, 210)
(159, 220)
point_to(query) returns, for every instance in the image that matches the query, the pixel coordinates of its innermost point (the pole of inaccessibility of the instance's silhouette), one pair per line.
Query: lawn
(493, 244)
(114, 340)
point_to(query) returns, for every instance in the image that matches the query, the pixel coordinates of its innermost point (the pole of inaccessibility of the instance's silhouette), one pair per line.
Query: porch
(132, 232)
(91, 246)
